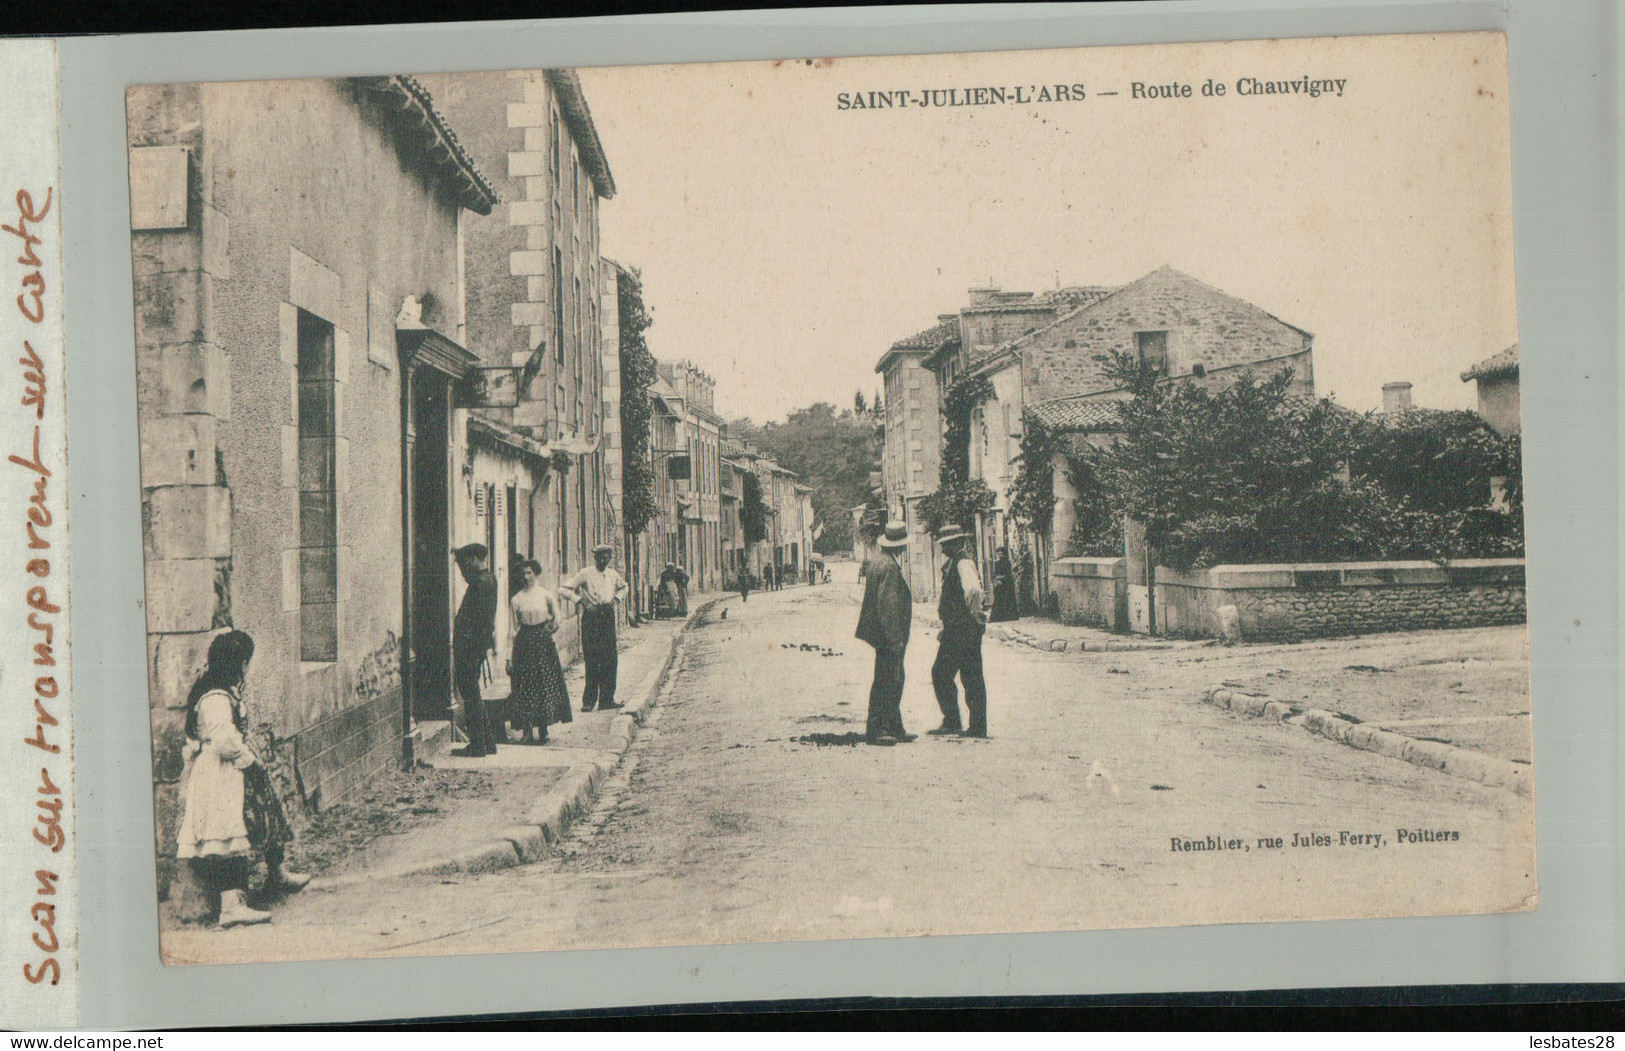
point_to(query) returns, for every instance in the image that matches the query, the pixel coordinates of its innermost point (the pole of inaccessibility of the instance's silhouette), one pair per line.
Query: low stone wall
(1091, 591)
(1284, 602)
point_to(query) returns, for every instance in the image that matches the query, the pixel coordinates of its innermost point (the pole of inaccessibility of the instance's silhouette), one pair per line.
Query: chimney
(1396, 397)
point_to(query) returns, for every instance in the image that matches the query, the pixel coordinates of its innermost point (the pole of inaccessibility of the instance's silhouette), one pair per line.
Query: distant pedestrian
(473, 635)
(1005, 604)
(767, 577)
(539, 694)
(682, 590)
(668, 588)
(597, 588)
(884, 622)
(744, 585)
(959, 648)
(231, 808)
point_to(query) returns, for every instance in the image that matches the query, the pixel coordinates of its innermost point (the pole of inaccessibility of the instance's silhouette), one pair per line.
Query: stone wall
(1091, 591)
(218, 294)
(1297, 601)
(1286, 602)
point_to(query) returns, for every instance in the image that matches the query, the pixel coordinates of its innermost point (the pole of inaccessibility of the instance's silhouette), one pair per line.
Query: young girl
(231, 806)
(538, 678)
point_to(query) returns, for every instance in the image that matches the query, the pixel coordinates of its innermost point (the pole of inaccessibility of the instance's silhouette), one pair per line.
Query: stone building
(695, 467)
(1499, 400)
(1051, 350)
(537, 480)
(283, 234)
(911, 448)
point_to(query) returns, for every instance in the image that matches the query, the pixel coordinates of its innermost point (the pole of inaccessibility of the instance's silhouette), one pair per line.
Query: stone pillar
(180, 247)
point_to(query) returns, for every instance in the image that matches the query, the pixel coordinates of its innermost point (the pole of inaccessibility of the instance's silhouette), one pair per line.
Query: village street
(733, 826)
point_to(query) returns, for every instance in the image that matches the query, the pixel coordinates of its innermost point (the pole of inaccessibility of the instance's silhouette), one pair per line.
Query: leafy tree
(1032, 494)
(637, 375)
(1097, 527)
(959, 498)
(834, 454)
(752, 510)
(859, 405)
(1251, 473)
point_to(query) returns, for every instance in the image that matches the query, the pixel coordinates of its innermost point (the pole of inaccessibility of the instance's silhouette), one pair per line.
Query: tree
(860, 406)
(752, 511)
(1253, 473)
(959, 498)
(637, 375)
(834, 454)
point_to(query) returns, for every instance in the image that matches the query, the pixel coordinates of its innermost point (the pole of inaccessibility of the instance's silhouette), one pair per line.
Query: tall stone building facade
(911, 454)
(536, 317)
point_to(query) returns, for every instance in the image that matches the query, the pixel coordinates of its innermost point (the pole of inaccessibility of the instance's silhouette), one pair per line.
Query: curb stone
(554, 812)
(1446, 758)
(1016, 636)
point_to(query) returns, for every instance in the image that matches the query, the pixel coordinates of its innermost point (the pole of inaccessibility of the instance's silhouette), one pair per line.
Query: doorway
(430, 597)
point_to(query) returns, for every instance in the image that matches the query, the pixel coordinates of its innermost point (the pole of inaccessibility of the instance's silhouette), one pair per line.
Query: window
(1153, 349)
(575, 322)
(558, 305)
(318, 512)
(556, 150)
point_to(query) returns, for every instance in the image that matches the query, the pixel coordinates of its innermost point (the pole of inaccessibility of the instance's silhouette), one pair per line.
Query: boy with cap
(597, 588)
(473, 635)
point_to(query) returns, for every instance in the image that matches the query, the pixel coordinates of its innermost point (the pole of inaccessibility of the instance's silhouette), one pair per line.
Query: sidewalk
(529, 793)
(1455, 700)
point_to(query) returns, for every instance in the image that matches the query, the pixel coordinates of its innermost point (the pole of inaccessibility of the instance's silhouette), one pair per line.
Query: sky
(785, 242)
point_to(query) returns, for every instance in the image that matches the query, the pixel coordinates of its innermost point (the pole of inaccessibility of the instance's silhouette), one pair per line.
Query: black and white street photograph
(978, 493)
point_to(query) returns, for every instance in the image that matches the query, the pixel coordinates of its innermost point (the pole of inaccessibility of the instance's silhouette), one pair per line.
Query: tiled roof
(1078, 295)
(426, 128)
(1078, 414)
(930, 338)
(1500, 364)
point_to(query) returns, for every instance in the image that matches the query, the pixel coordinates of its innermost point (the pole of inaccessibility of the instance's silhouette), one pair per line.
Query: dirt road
(1106, 797)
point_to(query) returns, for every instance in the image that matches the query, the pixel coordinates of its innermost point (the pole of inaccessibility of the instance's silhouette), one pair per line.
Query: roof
(1082, 298)
(573, 104)
(931, 338)
(1502, 364)
(1078, 414)
(927, 340)
(426, 130)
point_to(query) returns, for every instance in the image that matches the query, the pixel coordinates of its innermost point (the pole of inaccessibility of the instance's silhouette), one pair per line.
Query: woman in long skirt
(232, 809)
(539, 693)
(1006, 606)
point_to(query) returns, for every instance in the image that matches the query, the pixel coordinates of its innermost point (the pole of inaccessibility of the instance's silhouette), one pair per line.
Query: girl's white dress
(212, 825)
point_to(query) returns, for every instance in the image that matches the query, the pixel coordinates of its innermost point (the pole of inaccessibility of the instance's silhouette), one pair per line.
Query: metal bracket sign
(493, 387)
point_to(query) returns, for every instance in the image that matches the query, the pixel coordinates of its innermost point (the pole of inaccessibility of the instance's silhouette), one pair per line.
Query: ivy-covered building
(1006, 353)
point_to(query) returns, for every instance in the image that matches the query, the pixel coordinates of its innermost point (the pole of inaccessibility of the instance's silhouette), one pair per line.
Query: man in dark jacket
(888, 612)
(473, 635)
(959, 648)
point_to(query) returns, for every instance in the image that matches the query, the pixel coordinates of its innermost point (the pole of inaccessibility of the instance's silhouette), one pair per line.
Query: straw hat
(896, 535)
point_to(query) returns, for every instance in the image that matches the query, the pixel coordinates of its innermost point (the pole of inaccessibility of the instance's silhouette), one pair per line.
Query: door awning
(424, 347)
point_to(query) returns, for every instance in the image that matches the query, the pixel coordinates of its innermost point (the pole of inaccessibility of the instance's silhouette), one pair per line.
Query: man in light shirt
(597, 588)
(959, 648)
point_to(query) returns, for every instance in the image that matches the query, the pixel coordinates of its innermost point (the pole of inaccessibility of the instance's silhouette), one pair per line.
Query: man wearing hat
(473, 635)
(597, 588)
(888, 611)
(959, 647)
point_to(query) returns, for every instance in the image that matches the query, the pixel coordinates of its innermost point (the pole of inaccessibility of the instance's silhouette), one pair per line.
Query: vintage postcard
(946, 494)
